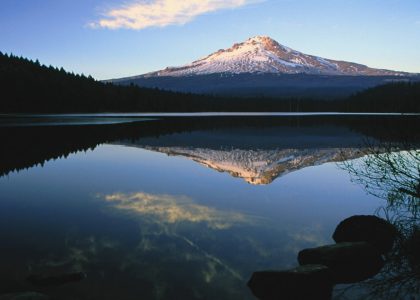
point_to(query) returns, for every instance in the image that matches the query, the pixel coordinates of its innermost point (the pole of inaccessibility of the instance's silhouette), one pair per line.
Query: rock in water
(56, 280)
(379, 232)
(349, 262)
(301, 283)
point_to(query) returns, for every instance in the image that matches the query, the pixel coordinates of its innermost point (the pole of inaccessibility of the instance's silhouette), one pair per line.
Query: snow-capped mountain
(261, 67)
(261, 54)
(258, 167)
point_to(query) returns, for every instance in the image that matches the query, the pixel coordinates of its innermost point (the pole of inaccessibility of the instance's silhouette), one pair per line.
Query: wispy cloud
(160, 13)
(173, 209)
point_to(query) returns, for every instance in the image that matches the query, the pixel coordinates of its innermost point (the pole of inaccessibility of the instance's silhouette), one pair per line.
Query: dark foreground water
(188, 207)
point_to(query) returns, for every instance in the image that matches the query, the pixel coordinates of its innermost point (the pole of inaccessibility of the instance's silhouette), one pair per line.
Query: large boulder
(301, 283)
(348, 262)
(376, 231)
(24, 296)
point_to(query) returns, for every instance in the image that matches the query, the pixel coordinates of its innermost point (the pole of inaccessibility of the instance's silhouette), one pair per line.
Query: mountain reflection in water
(145, 225)
(257, 149)
(259, 152)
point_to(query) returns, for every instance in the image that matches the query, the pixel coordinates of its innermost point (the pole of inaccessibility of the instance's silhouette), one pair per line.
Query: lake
(184, 206)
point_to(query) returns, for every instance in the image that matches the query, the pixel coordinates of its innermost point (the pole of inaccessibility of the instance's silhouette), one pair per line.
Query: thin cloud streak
(172, 209)
(161, 13)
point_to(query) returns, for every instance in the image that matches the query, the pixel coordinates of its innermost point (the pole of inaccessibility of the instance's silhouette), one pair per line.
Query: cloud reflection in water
(173, 209)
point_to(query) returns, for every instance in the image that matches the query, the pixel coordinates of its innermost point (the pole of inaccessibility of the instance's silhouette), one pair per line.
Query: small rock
(379, 232)
(349, 262)
(24, 296)
(56, 280)
(304, 282)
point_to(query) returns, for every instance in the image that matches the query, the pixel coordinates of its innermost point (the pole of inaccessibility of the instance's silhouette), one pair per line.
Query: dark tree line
(393, 97)
(28, 86)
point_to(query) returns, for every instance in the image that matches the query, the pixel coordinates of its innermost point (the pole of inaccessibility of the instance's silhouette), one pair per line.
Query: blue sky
(110, 38)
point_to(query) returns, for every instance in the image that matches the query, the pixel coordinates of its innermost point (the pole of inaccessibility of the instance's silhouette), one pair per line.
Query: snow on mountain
(259, 167)
(261, 54)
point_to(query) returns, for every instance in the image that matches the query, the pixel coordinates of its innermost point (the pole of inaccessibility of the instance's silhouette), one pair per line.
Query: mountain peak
(262, 54)
(260, 38)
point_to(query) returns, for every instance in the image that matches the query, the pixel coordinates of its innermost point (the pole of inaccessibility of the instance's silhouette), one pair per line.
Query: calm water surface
(177, 208)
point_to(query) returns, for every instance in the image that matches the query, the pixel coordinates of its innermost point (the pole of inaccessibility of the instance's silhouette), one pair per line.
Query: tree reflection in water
(392, 172)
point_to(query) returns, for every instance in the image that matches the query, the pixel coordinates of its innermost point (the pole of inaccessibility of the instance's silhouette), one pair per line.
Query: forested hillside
(29, 87)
